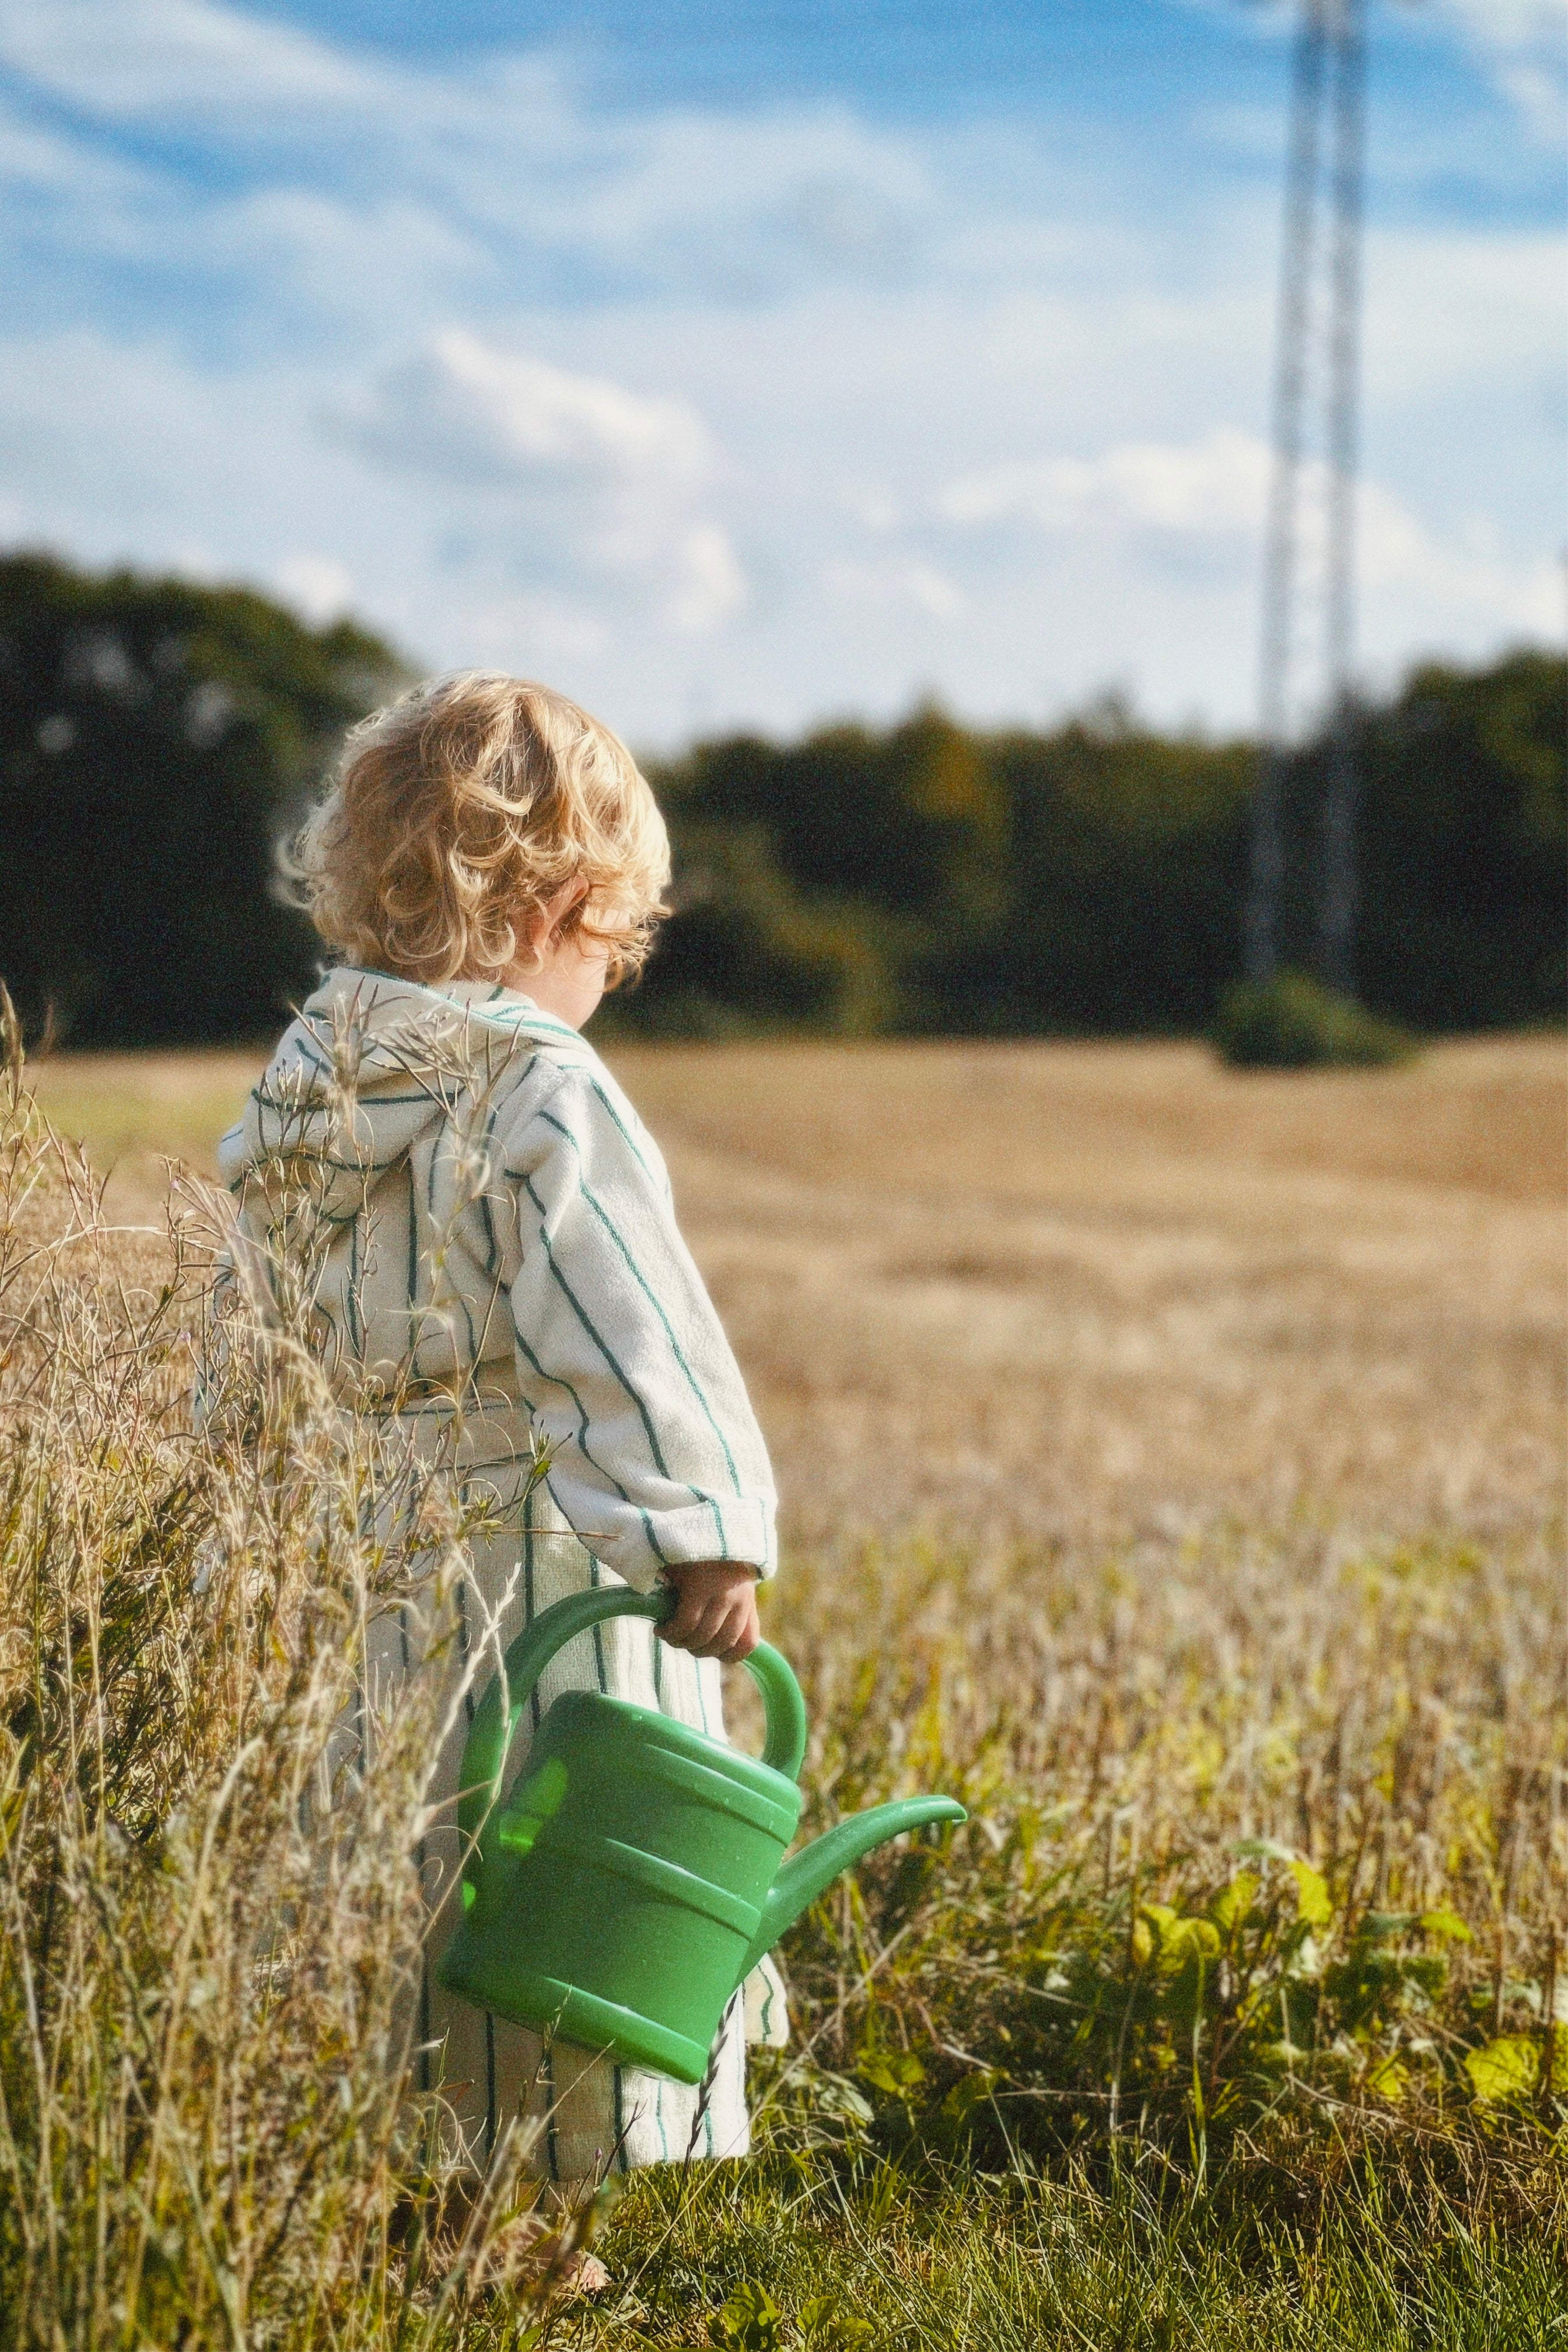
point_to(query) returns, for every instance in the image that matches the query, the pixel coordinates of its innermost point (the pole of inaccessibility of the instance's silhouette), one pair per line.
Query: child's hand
(715, 1613)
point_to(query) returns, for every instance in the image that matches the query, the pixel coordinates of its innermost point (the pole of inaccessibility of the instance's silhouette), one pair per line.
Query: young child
(488, 861)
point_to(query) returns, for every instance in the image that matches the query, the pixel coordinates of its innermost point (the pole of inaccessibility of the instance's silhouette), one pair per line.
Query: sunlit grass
(131, 1111)
(788, 2256)
(1232, 2018)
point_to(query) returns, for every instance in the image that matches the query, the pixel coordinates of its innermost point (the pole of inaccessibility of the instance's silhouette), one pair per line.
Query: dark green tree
(1464, 843)
(911, 821)
(1126, 854)
(1091, 879)
(155, 738)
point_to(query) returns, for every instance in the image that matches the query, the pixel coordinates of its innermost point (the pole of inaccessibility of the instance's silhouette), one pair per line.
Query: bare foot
(531, 2250)
(582, 2274)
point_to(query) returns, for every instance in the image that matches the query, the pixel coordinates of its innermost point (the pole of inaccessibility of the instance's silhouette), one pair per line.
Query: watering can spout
(805, 1875)
(631, 1878)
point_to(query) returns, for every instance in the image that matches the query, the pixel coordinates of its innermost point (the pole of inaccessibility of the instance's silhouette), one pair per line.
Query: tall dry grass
(210, 2127)
(1195, 1518)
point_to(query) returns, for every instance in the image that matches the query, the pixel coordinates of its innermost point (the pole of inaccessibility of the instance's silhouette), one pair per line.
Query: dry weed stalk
(209, 2130)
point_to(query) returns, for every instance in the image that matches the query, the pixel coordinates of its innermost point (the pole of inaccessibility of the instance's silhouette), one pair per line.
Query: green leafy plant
(1292, 1023)
(749, 2322)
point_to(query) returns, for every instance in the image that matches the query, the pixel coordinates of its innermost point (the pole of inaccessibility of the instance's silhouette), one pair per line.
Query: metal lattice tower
(1317, 375)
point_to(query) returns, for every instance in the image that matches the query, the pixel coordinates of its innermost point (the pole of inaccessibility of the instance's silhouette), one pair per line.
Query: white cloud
(1397, 554)
(470, 413)
(722, 413)
(503, 158)
(575, 479)
(37, 162)
(1218, 483)
(174, 57)
(706, 584)
(1217, 490)
(1525, 45)
(1511, 24)
(1538, 94)
(896, 585)
(317, 585)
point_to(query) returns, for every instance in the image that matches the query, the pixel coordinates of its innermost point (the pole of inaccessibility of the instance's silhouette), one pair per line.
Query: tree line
(157, 738)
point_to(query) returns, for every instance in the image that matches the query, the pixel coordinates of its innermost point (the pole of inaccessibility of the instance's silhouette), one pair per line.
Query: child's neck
(565, 977)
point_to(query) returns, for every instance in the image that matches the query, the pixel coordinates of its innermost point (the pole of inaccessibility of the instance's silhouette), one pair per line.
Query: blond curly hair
(457, 811)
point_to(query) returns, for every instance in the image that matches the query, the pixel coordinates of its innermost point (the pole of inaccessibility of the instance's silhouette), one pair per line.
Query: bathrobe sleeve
(621, 1357)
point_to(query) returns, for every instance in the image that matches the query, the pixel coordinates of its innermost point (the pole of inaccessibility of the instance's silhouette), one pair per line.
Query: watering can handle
(490, 1736)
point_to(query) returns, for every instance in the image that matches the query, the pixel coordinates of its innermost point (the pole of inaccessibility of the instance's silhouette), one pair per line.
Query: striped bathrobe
(502, 1233)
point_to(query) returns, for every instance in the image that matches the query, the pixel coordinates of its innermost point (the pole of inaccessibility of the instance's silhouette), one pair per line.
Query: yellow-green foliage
(1265, 1868)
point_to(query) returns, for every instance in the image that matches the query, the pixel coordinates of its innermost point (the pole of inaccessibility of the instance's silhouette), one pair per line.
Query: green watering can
(633, 1878)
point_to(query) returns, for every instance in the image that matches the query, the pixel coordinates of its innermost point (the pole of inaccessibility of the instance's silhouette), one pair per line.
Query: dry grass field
(1172, 1463)
(1048, 1291)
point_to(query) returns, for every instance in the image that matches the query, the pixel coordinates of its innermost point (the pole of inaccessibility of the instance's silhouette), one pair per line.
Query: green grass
(785, 2255)
(143, 1106)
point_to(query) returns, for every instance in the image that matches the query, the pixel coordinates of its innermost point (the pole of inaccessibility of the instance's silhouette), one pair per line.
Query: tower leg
(1337, 911)
(1268, 852)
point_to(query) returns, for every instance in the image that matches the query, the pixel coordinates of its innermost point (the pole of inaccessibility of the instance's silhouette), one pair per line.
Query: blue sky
(749, 364)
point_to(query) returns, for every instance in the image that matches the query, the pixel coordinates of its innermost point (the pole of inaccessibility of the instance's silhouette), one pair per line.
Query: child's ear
(553, 912)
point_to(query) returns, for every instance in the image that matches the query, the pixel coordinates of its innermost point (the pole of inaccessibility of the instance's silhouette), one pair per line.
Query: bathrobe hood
(371, 1067)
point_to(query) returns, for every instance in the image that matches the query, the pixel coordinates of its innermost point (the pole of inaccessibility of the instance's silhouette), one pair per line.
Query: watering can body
(636, 1873)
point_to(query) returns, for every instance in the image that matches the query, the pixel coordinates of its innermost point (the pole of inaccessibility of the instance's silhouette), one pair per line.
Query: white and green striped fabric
(503, 1249)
